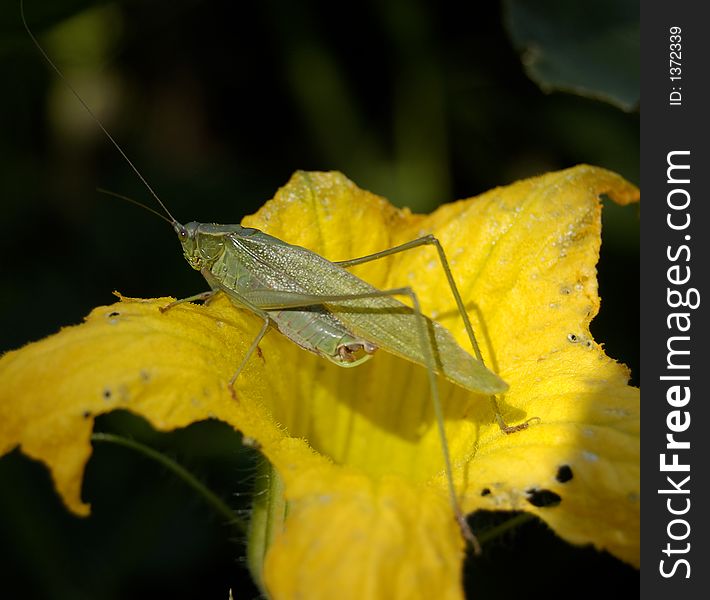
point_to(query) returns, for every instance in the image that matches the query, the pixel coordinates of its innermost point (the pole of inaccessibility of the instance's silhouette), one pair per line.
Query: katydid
(324, 308)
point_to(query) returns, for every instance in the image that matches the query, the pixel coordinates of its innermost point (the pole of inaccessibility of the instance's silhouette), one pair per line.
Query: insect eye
(183, 234)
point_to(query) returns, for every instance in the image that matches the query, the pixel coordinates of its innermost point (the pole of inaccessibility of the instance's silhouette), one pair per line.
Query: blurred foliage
(217, 103)
(589, 49)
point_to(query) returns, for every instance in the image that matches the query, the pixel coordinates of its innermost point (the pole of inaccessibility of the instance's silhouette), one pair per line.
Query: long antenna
(132, 201)
(172, 221)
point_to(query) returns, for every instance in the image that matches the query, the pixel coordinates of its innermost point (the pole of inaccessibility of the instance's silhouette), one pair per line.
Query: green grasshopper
(324, 308)
(327, 310)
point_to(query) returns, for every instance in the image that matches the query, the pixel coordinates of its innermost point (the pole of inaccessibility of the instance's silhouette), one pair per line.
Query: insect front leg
(204, 296)
(431, 240)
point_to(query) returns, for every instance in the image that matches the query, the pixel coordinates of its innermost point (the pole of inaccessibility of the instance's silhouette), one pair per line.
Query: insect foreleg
(207, 296)
(430, 240)
(204, 296)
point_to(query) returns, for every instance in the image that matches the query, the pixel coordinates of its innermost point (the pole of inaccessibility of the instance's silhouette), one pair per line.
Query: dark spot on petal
(565, 291)
(114, 314)
(564, 474)
(107, 394)
(86, 414)
(259, 352)
(485, 492)
(572, 338)
(145, 375)
(543, 498)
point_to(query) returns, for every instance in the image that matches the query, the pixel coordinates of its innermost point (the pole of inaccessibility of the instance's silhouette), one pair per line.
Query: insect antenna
(50, 62)
(132, 201)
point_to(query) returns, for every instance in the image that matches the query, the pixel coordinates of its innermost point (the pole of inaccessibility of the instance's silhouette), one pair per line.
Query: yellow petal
(542, 247)
(525, 260)
(365, 538)
(357, 448)
(170, 368)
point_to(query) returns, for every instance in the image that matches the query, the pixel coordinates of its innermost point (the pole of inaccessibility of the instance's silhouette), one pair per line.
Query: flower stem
(267, 518)
(215, 502)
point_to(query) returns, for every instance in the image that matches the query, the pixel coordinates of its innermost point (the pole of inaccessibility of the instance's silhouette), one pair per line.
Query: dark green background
(218, 103)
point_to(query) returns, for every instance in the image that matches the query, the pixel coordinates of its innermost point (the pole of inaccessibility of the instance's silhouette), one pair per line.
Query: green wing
(384, 321)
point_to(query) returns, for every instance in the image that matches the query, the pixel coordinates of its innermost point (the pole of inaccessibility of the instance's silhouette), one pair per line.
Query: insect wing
(384, 321)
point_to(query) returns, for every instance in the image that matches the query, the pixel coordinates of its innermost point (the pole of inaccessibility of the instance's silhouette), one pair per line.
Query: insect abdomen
(319, 331)
(313, 328)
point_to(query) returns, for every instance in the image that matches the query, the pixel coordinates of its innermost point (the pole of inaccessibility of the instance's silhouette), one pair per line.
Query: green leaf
(589, 49)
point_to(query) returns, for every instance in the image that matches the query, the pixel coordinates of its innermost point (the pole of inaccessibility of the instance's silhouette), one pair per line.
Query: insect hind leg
(431, 240)
(283, 300)
(427, 342)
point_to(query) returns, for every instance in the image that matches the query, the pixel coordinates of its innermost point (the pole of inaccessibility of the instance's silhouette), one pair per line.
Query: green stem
(267, 518)
(217, 504)
(498, 530)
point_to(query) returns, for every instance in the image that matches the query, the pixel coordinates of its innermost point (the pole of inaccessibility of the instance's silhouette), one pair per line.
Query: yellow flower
(367, 512)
